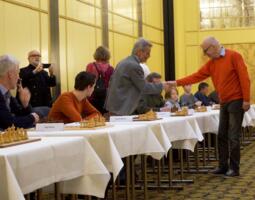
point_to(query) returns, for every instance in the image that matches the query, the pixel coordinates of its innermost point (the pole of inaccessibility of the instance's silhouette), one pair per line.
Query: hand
(165, 109)
(51, 70)
(36, 116)
(38, 68)
(24, 96)
(246, 106)
(172, 83)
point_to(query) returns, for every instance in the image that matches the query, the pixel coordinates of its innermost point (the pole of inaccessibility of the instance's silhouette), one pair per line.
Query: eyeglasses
(205, 50)
(35, 55)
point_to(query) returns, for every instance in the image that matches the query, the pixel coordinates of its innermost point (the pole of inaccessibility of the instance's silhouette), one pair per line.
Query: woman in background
(103, 72)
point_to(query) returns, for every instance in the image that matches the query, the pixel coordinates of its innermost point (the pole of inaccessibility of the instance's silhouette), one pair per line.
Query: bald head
(211, 47)
(34, 57)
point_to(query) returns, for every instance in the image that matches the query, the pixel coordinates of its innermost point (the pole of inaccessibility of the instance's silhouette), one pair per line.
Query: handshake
(167, 85)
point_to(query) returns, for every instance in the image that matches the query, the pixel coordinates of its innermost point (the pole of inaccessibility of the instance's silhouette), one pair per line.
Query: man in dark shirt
(213, 96)
(151, 101)
(37, 80)
(201, 94)
(11, 112)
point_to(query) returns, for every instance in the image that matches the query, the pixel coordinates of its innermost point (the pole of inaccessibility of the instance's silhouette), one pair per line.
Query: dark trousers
(231, 118)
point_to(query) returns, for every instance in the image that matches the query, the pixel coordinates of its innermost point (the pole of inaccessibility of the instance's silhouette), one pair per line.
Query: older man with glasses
(231, 81)
(11, 112)
(38, 81)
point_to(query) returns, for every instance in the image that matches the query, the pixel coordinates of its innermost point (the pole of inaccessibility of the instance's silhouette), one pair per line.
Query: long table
(70, 161)
(105, 147)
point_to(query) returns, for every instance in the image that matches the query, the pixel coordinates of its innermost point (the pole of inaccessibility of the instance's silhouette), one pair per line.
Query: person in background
(127, 84)
(103, 72)
(213, 96)
(172, 99)
(231, 80)
(74, 106)
(188, 99)
(151, 101)
(201, 94)
(11, 112)
(37, 80)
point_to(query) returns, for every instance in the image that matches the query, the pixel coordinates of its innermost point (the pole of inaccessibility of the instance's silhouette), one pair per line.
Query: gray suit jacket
(126, 87)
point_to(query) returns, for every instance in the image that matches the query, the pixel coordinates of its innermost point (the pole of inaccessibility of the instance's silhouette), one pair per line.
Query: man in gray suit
(127, 84)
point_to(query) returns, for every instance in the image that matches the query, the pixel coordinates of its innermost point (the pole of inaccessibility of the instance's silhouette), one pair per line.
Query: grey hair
(7, 62)
(211, 40)
(141, 44)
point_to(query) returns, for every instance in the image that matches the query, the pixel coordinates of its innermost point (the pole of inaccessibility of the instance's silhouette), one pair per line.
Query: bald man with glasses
(38, 80)
(232, 83)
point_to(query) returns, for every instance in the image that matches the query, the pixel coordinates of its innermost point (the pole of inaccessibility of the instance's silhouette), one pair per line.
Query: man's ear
(9, 74)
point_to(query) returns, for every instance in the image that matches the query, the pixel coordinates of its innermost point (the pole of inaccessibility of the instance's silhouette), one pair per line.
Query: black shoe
(232, 173)
(219, 170)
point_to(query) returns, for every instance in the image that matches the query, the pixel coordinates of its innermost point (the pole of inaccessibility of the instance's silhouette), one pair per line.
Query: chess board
(70, 128)
(136, 119)
(19, 142)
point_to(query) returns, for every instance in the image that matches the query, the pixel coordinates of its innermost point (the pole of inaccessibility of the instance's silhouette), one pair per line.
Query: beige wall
(24, 26)
(188, 36)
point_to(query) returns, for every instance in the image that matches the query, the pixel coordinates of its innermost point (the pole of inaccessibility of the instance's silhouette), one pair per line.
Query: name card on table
(191, 111)
(209, 108)
(121, 118)
(163, 114)
(49, 127)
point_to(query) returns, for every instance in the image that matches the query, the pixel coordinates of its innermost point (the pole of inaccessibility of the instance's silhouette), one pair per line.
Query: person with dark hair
(103, 72)
(213, 96)
(201, 94)
(74, 106)
(151, 101)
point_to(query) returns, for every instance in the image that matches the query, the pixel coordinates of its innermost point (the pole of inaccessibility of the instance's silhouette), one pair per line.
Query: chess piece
(174, 109)
(1, 139)
(201, 109)
(150, 115)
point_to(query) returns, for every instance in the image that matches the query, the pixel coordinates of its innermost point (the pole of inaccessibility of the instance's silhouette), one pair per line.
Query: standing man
(127, 83)
(231, 80)
(37, 80)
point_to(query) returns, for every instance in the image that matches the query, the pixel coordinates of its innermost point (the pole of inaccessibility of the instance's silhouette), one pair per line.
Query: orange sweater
(229, 75)
(68, 109)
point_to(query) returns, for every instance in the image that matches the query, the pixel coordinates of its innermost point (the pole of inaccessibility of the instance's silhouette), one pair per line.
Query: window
(226, 13)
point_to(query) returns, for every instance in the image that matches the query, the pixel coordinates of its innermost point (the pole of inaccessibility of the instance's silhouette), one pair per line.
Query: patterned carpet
(207, 186)
(210, 187)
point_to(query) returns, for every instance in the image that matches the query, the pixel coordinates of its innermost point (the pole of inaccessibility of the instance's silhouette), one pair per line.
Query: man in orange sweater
(231, 80)
(73, 106)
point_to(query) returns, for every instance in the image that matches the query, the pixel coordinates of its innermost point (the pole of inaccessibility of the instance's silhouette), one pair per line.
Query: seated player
(172, 99)
(151, 101)
(11, 112)
(202, 93)
(74, 106)
(188, 99)
(213, 96)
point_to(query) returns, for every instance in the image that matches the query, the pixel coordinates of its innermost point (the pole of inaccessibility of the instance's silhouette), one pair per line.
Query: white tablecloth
(181, 132)
(25, 168)
(115, 142)
(249, 117)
